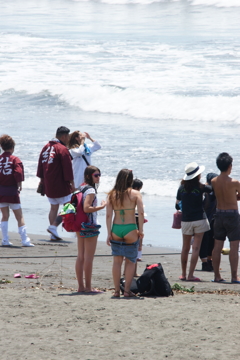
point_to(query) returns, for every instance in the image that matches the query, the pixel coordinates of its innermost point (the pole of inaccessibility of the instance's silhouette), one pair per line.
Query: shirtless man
(227, 221)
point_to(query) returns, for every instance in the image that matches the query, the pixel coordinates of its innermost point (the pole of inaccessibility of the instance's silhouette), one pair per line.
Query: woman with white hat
(194, 220)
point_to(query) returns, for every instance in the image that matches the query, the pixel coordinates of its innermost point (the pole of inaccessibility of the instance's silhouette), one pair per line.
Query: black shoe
(206, 266)
(210, 264)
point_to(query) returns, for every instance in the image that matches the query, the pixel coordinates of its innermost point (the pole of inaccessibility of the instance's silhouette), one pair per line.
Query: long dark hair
(124, 181)
(88, 179)
(73, 142)
(194, 183)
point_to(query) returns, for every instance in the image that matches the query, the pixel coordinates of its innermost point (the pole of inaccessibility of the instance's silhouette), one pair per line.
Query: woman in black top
(194, 220)
(209, 204)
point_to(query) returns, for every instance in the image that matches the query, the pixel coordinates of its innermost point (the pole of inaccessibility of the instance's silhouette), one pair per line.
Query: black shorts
(227, 224)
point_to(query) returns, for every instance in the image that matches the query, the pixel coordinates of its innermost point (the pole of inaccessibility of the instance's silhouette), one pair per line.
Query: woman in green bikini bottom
(123, 234)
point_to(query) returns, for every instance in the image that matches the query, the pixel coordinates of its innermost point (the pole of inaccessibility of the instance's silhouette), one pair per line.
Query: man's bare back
(227, 220)
(226, 190)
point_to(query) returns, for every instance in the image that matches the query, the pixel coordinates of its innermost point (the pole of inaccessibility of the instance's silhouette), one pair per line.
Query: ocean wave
(146, 104)
(150, 186)
(136, 103)
(215, 3)
(141, 80)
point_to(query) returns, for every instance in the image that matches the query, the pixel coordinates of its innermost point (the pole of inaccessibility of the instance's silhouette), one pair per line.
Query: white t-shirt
(79, 164)
(91, 216)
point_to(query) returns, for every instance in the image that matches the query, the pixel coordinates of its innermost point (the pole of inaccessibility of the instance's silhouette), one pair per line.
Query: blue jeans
(129, 251)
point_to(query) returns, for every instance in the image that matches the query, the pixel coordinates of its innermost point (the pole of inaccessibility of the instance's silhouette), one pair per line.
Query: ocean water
(157, 83)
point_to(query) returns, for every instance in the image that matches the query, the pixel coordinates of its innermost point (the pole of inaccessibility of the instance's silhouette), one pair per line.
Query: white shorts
(11, 206)
(60, 201)
(195, 227)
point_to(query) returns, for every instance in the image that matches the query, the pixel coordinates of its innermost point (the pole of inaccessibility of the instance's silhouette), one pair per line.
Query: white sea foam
(30, 182)
(150, 186)
(217, 3)
(144, 104)
(167, 82)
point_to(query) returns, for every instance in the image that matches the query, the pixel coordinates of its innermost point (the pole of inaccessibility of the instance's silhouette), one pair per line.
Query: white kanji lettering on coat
(52, 155)
(48, 155)
(5, 167)
(45, 155)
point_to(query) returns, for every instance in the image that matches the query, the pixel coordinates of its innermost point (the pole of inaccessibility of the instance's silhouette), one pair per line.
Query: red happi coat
(11, 173)
(55, 168)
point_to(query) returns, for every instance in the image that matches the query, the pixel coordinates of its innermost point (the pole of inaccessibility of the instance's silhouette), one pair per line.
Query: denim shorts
(129, 251)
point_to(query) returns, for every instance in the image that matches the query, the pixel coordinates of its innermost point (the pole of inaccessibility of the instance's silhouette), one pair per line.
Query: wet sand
(46, 318)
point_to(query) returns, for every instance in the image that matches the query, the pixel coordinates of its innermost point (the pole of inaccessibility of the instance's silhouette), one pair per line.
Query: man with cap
(55, 172)
(227, 221)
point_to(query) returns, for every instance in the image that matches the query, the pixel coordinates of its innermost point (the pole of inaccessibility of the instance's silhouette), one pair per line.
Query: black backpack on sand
(133, 288)
(153, 282)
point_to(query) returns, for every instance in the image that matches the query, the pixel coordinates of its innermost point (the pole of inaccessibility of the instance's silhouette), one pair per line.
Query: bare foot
(182, 277)
(116, 294)
(218, 280)
(129, 294)
(81, 289)
(193, 279)
(93, 291)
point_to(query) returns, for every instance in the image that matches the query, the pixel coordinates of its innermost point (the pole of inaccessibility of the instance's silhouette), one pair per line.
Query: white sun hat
(192, 170)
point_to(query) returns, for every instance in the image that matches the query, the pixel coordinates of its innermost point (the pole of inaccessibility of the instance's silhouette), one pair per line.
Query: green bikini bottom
(121, 230)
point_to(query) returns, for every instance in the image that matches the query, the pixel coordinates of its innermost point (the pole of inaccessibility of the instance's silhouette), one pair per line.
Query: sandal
(93, 291)
(129, 294)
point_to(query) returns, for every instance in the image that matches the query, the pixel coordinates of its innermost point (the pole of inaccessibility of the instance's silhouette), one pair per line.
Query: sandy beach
(46, 318)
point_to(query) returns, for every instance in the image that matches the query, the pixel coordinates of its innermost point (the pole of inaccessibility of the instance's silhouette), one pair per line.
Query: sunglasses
(96, 175)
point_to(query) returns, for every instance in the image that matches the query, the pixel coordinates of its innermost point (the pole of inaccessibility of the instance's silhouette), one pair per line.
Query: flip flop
(182, 278)
(130, 294)
(94, 291)
(219, 281)
(194, 279)
(32, 276)
(17, 275)
(235, 282)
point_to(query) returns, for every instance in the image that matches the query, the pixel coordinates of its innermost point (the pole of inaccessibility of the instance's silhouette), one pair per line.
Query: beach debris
(184, 289)
(219, 292)
(5, 281)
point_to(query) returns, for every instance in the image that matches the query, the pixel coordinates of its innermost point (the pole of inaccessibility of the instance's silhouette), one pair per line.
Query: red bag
(72, 222)
(177, 218)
